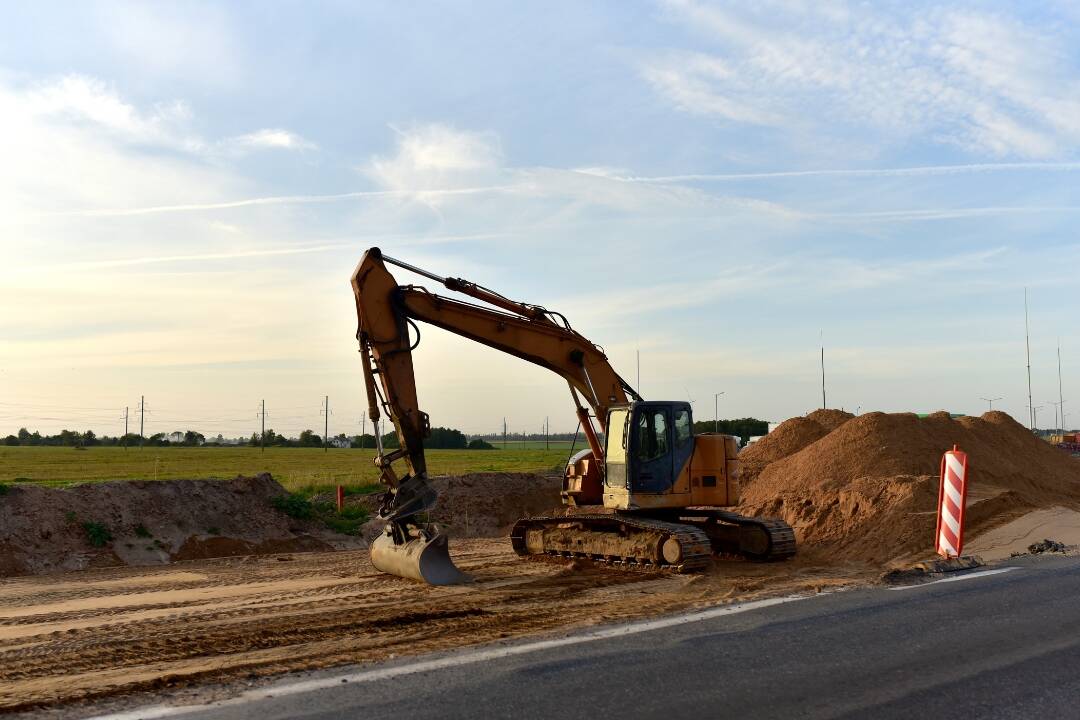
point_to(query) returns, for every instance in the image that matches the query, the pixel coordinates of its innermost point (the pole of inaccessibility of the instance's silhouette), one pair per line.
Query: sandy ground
(105, 632)
(1056, 523)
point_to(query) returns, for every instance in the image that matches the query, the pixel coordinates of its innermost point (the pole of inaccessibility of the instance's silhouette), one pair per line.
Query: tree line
(440, 438)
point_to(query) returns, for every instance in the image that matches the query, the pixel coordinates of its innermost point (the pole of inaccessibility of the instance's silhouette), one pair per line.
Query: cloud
(437, 157)
(87, 102)
(984, 82)
(916, 171)
(270, 138)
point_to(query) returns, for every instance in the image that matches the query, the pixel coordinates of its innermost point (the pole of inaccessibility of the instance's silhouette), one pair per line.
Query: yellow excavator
(662, 487)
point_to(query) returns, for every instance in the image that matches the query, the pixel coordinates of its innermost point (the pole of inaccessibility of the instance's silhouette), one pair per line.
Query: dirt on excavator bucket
(425, 558)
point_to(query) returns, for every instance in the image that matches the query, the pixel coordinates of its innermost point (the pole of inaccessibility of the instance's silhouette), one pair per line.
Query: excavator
(662, 487)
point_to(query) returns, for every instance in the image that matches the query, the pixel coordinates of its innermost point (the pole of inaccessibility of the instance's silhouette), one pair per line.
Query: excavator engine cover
(424, 556)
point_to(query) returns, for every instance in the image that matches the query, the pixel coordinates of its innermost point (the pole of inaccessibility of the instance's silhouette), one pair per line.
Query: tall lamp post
(716, 412)
(991, 401)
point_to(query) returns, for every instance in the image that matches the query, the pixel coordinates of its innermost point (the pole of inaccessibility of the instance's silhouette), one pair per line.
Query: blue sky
(187, 187)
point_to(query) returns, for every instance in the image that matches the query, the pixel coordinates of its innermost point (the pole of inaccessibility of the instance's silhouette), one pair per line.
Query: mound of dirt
(483, 504)
(867, 490)
(46, 530)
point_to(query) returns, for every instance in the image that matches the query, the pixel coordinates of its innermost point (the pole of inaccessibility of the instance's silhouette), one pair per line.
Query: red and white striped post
(952, 498)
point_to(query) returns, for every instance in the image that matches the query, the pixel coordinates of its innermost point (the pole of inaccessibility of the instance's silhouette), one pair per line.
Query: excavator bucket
(424, 557)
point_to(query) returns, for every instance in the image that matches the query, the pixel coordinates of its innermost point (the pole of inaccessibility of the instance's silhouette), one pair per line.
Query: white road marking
(467, 657)
(958, 578)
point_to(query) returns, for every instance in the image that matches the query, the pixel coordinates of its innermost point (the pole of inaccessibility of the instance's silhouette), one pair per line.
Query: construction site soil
(860, 492)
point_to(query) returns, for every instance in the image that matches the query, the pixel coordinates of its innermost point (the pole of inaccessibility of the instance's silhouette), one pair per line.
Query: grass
(299, 470)
(97, 533)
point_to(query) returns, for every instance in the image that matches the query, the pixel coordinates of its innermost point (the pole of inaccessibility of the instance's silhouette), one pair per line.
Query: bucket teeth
(423, 556)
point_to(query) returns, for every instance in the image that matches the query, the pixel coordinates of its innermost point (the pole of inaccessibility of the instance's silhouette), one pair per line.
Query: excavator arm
(385, 312)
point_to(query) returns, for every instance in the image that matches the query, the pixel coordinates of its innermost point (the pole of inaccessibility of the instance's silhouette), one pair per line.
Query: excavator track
(619, 540)
(758, 539)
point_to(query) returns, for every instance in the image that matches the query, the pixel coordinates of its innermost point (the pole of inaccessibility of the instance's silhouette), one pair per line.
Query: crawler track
(682, 541)
(620, 540)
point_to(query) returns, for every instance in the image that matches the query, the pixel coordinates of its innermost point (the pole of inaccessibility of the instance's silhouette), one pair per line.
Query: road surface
(1003, 643)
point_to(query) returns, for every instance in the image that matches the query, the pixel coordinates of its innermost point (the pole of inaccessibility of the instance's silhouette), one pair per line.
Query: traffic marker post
(952, 499)
(340, 499)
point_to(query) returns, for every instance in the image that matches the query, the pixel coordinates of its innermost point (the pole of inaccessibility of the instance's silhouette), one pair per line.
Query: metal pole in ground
(262, 437)
(716, 412)
(326, 425)
(125, 426)
(142, 418)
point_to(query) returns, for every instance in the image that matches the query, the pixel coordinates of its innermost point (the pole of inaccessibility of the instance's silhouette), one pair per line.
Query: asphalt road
(1004, 645)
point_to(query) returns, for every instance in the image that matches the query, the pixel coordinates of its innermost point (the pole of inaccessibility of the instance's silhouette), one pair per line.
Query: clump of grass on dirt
(4, 489)
(347, 522)
(141, 531)
(97, 533)
(294, 505)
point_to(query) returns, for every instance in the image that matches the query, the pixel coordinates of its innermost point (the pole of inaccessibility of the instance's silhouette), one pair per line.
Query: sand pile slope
(868, 489)
(788, 438)
(148, 523)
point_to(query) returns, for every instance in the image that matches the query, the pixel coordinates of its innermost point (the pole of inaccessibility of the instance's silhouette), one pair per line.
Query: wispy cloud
(986, 82)
(270, 138)
(917, 171)
(277, 200)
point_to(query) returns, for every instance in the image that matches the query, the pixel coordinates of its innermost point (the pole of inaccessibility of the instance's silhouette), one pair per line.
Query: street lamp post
(991, 401)
(716, 412)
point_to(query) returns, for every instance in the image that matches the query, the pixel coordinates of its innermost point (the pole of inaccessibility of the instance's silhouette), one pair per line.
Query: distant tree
(744, 428)
(367, 440)
(194, 438)
(309, 439)
(446, 439)
(480, 444)
(11, 440)
(89, 438)
(389, 440)
(254, 441)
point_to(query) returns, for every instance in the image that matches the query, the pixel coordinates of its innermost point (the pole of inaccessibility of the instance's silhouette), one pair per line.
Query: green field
(298, 469)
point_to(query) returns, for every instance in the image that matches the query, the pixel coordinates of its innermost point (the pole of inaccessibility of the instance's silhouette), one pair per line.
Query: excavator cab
(654, 460)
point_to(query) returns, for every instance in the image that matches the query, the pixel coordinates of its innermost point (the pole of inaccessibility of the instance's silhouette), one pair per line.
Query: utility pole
(262, 437)
(638, 386)
(142, 418)
(1061, 396)
(363, 427)
(326, 424)
(1035, 417)
(823, 405)
(125, 426)
(716, 412)
(1027, 342)
(504, 433)
(991, 401)
(1056, 407)
(547, 433)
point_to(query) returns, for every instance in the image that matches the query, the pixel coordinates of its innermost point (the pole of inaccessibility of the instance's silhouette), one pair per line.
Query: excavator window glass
(652, 435)
(682, 428)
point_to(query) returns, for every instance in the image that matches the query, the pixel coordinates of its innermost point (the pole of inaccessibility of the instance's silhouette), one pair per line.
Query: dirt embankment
(866, 490)
(45, 530)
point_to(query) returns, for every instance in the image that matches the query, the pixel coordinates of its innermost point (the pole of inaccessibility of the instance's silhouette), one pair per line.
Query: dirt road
(66, 638)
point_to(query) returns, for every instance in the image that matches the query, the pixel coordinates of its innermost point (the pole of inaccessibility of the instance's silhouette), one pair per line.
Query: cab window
(652, 435)
(682, 427)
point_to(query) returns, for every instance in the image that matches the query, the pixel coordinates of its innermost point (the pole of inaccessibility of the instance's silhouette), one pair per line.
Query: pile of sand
(149, 523)
(867, 489)
(787, 439)
(483, 504)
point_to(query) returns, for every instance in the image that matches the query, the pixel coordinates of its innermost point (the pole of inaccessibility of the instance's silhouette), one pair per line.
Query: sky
(723, 188)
